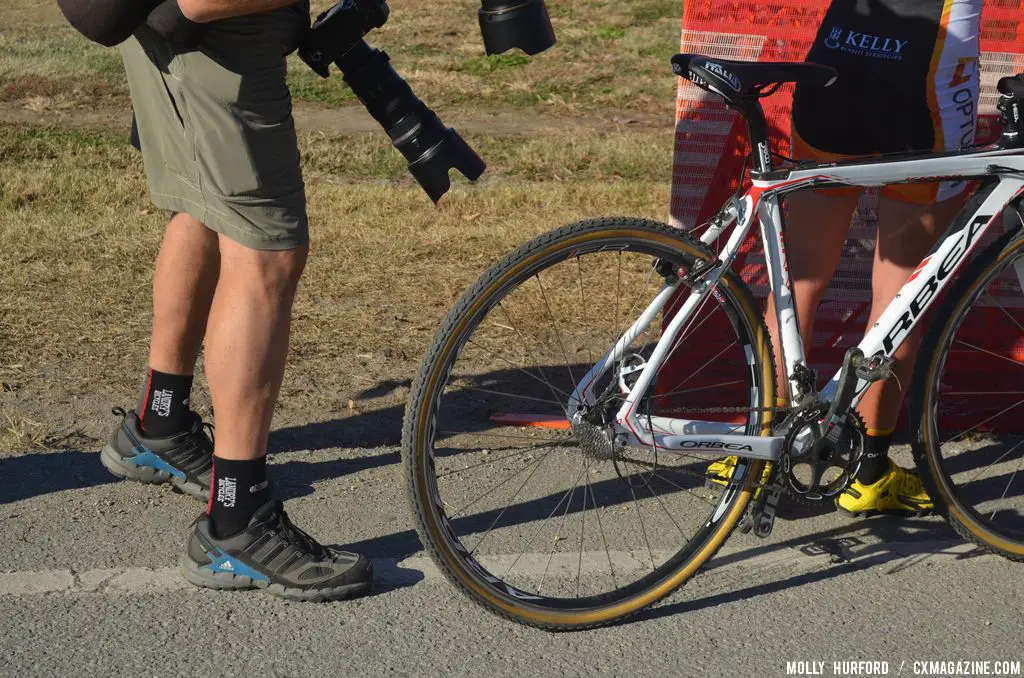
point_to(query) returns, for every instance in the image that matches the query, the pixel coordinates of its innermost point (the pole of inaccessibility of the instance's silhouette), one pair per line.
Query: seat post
(757, 128)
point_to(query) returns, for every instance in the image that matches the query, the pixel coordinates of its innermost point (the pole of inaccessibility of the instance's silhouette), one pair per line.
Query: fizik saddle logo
(725, 75)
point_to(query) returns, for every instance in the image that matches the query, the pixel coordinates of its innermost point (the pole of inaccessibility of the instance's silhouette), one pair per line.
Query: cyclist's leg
(816, 224)
(815, 231)
(906, 233)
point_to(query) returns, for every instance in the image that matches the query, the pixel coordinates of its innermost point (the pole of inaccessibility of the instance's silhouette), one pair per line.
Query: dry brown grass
(80, 239)
(79, 236)
(609, 55)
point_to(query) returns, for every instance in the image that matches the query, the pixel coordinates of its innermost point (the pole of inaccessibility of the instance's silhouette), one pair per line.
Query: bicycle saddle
(738, 80)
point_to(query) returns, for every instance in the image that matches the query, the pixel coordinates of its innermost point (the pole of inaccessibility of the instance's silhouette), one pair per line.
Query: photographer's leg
(246, 349)
(183, 286)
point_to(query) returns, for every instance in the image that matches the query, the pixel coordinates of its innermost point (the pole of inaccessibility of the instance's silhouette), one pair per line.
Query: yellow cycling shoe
(720, 472)
(899, 491)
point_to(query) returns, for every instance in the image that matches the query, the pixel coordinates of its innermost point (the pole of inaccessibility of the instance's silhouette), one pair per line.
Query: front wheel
(968, 408)
(533, 520)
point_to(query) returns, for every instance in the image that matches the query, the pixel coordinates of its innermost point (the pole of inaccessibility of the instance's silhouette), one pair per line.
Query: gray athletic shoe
(274, 555)
(184, 460)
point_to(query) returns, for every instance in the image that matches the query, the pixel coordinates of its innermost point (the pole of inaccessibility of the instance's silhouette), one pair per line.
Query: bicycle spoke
(636, 505)
(566, 439)
(600, 525)
(554, 543)
(624, 321)
(697, 389)
(583, 525)
(985, 421)
(510, 501)
(995, 300)
(667, 512)
(1008, 483)
(540, 368)
(488, 491)
(512, 395)
(583, 306)
(1001, 457)
(991, 353)
(542, 525)
(517, 367)
(558, 336)
(489, 461)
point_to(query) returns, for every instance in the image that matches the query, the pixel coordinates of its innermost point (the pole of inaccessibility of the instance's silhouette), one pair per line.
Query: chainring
(843, 462)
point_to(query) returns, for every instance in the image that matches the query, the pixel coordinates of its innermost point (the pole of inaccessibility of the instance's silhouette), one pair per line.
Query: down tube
(926, 283)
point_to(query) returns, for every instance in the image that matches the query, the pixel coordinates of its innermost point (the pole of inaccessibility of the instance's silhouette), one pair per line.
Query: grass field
(609, 55)
(79, 235)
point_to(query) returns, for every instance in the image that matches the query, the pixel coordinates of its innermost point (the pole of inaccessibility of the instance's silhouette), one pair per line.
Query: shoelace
(198, 426)
(298, 537)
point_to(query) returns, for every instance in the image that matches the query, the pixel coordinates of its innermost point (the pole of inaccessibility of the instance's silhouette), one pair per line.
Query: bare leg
(247, 343)
(816, 228)
(906, 232)
(183, 286)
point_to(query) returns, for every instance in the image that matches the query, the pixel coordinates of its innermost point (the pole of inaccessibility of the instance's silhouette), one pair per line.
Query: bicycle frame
(1002, 170)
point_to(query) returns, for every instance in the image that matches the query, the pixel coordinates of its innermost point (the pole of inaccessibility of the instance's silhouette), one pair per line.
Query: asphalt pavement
(88, 586)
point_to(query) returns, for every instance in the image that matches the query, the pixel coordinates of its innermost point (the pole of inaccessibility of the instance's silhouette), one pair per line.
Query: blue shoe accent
(225, 563)
(150, 459)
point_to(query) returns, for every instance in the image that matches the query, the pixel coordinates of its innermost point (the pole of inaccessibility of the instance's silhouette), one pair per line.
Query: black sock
(239, 489)
(875, 461)
(163, 406)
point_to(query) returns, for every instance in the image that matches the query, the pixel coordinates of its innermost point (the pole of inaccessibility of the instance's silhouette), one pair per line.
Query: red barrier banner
(710, 146)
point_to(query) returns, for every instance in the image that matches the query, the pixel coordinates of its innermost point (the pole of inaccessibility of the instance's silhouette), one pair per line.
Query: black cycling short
(908, 81)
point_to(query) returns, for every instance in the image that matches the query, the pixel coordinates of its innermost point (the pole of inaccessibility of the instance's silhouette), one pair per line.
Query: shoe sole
(226, 581)
(124, 468)
(871, 513)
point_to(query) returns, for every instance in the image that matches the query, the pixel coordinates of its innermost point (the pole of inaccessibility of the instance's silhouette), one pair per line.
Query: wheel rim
(492, 533)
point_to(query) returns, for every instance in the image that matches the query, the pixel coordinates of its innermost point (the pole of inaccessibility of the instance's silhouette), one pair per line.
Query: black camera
(430, 148)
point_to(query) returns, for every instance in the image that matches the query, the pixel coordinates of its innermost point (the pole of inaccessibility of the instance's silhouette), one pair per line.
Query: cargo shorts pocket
(246, 141)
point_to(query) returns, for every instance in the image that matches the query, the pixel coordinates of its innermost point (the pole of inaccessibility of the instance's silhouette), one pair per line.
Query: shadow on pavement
(34, 474)
(838, 543)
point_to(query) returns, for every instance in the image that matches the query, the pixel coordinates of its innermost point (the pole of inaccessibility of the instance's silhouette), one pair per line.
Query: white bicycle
(557, 438)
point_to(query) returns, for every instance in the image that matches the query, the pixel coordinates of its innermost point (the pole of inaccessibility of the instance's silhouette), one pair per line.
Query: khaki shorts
(215, 124)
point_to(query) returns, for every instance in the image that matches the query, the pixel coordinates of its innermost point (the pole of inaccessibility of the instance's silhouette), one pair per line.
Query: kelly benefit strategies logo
(863, 44)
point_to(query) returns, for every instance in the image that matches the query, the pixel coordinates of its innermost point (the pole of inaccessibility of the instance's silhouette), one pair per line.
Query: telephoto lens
(525, 24)
(430, 148)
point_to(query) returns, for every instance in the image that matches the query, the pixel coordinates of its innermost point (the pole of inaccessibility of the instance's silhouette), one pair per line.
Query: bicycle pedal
(875, 369)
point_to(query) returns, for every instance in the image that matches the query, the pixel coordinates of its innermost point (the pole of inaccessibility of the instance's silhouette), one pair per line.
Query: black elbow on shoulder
(108, 22)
